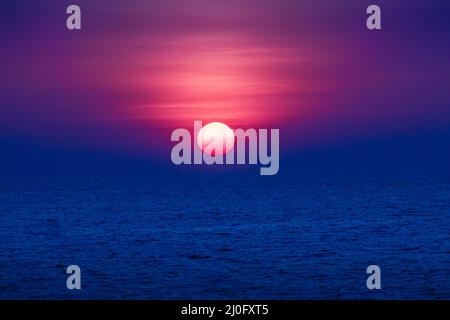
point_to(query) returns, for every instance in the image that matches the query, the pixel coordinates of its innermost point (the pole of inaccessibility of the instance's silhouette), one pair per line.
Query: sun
(215, 138)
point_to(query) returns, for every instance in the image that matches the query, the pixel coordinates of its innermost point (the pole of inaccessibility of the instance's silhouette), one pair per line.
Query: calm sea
(226, 238)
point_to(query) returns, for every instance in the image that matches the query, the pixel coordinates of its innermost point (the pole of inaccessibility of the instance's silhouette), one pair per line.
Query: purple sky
(139, 69)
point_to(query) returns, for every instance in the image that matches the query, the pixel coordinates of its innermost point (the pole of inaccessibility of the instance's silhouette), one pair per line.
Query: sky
(342, 96)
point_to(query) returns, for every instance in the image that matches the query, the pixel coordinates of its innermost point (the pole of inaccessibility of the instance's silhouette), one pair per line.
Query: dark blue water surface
(226, 238)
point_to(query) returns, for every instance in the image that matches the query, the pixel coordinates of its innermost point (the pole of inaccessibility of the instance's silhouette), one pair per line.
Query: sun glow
(216, 138)
(220, 77)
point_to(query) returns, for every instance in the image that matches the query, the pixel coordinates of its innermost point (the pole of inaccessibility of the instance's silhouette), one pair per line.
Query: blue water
(226, 238)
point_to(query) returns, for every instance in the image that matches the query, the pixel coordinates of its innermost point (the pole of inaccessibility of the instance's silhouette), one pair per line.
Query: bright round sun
(216, 138)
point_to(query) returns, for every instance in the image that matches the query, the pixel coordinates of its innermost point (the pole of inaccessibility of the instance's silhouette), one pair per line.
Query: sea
(225, 237)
